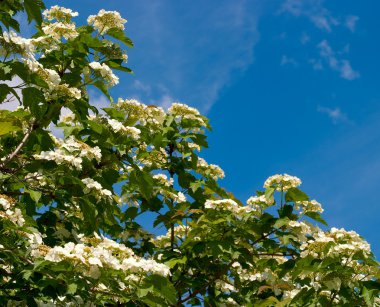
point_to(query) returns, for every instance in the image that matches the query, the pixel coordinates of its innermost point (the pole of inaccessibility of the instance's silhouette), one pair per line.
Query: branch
(18, 148)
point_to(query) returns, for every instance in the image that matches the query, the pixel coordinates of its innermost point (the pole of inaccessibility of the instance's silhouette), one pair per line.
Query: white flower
(17, 44)
(57, 30)
(209, 170)
(309, 206)
(59, 13)
(282, 182)
(92, 185)
(105, 72)
(106, 20)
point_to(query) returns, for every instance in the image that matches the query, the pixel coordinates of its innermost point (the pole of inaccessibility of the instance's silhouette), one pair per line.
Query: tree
(71, 206)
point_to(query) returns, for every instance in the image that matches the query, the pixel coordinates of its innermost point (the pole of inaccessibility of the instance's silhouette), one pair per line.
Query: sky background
(290, 86)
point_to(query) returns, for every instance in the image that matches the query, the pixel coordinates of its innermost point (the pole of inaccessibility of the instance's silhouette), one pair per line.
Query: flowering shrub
(71, 206)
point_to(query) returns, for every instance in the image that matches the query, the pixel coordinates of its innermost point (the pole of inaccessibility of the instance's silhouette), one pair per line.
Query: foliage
(79, 184)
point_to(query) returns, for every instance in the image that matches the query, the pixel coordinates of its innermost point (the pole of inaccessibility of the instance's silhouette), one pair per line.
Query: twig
(18, 148)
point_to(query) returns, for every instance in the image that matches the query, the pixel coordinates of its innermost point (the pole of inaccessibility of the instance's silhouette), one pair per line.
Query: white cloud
(347, 72)
(316, 64)
(351, 22)
(304, 38)
(195, 53)
(335, 114)
(287, 61)
(313, 10)
(342, 66)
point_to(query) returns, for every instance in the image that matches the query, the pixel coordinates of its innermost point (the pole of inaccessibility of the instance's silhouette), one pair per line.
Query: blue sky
(289, 85)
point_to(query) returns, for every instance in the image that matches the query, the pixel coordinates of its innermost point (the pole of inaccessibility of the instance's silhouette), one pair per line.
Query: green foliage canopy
(70, 204)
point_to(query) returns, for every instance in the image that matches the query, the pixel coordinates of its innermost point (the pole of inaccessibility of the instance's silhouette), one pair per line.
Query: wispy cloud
(343, 66)
(316, 64)
(195, 52)
(304, 38)
(313, 10)
(288, 61)
(335, 114)
(351, 22)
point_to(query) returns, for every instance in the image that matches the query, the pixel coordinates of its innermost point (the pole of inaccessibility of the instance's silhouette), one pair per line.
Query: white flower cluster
(57, 30)
(106, 20)
(309, 206)
(92, 185)
(224, 286)
(180, 232)
(118, 126)
(336, 242)
(163, 180)
(50, 76)
(156, 157)
(259, 203)
(209, 170)
(63, 27)
(64, 91)
(301, 229)
(182, 111)
(9, 212)
(228, 205)
(282, 182)
(105, 254)
(53, 80)
(37, 179)
(16, 44)
(104, 71)
(140, 112)
(59, 13)
(70, 151)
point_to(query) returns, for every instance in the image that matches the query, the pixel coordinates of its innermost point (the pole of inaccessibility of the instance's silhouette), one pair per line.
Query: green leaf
(33, 9)
(7, 127)
(316, 217)
(131, 213)
(31, 97)
(120, 35)
(113, 64)
(295, 194)
(269, 193)
(72, 288)
(35, 195)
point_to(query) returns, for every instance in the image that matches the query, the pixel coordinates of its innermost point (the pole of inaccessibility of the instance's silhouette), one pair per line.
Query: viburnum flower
(106, 20)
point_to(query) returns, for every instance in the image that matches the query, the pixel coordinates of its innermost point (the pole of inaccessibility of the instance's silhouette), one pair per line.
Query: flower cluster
(181, 111)
(63, 27)
(57, 30)
(336, 242)
(180, 233)
(105, 72)
(145, 115)
(7, 210)
(309, 206)
(92, 185)
(104, 253)
(209, 170)
(282, 182)
(163, 180)
(59, 13)
(106, 20)
(227, 205)
(70, 151)
(258, 203)
(118, 126)
(12, 43)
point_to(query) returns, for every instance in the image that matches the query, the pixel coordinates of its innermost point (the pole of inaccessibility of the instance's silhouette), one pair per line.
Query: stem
(19, 147)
